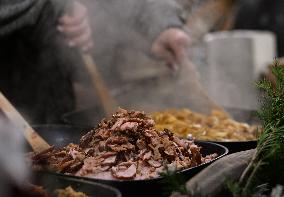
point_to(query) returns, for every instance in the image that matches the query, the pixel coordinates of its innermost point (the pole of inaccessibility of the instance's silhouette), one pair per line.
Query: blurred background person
(262, 15)
(35, 57)
(134, 41)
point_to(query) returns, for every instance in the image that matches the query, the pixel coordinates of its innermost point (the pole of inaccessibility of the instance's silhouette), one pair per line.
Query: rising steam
(12, 161)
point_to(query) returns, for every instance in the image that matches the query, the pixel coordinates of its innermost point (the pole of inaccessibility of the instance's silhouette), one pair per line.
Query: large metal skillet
(91, 116)
(52, 182)
(61, 135)
(13, 120)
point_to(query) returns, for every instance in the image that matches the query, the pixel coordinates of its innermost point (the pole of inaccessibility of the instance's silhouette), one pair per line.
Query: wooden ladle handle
(108, 103)
(199, 89)
(37, 143)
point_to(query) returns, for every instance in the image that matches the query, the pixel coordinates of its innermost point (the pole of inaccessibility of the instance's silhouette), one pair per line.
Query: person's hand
(76, 28)
(171, 46)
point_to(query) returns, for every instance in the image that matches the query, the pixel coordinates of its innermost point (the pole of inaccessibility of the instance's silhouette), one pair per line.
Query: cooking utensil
(91, 116)
(59, 136)
(217, 15)
(37, 143)
(235, 146)
(88, 118)
(52, 182)
(246, 116)
(107, 101)
(242, 115)
(197, 90)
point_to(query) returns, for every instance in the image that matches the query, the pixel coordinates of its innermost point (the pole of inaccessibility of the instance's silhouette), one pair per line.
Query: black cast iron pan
(90, 118)
(59, 136)
(241, 115)
(52, 182)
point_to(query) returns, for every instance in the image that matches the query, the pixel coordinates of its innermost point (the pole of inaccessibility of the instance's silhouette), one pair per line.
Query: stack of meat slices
(125, 147)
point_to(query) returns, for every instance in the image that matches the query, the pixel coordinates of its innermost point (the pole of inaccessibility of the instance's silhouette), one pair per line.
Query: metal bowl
(62, 135)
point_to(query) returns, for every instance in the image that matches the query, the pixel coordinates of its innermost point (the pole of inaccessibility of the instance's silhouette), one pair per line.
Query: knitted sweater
(15, 14)
(35, 71)
(35, 74)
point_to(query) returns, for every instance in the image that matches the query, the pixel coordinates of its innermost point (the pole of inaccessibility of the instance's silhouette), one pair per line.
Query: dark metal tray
(60, 135)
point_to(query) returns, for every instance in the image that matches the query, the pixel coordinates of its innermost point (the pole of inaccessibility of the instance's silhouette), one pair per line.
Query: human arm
(15, 15)
(163, 24)
(74, 24)
(171, 45)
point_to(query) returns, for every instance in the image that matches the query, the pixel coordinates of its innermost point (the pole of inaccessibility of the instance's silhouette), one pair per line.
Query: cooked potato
(215, 127)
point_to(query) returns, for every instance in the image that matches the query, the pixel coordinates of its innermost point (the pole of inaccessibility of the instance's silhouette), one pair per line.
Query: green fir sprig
(266, 167)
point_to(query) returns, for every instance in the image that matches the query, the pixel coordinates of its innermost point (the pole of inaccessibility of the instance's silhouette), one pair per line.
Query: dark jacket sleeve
(39, 80)
(15, 14)
(56, 64)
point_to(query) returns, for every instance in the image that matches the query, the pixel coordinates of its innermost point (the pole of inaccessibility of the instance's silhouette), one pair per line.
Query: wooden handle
(199, 90)
(211, 14)
(37, 143)
(107, 101)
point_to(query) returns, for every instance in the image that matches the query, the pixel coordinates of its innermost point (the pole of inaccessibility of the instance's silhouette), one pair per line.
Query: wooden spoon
(37, 143)
(197, 88)
(109, 104)
(107, 101)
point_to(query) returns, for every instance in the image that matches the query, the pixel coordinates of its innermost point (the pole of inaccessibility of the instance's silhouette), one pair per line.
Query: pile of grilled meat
(125, 147)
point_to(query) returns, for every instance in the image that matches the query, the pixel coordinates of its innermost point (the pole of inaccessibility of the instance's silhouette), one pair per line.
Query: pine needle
(270, 148)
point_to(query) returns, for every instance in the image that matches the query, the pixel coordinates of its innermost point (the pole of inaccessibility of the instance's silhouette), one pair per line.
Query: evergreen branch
(270, 146)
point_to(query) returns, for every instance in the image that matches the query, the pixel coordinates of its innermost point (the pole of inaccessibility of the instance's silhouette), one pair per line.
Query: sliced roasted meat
(124, 147)
(154, 163)
(109, 160)
(121, 173)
